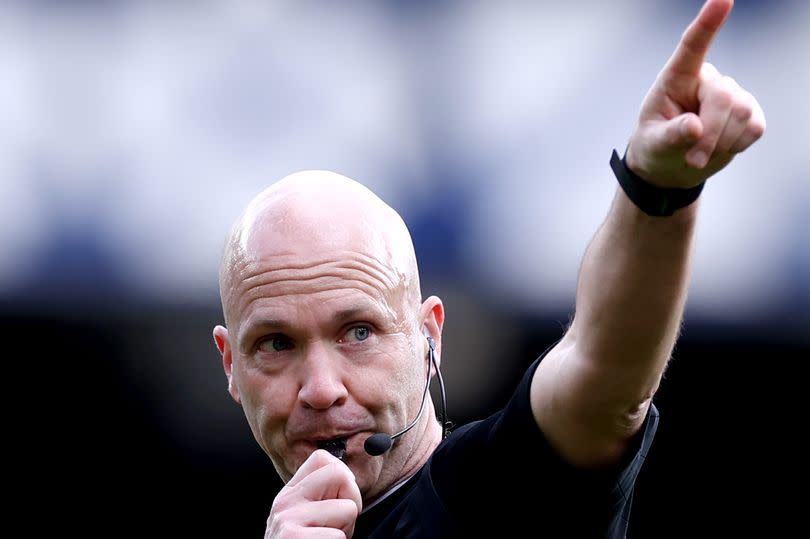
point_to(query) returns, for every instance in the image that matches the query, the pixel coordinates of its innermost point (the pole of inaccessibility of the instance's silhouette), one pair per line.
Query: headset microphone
(379, 443)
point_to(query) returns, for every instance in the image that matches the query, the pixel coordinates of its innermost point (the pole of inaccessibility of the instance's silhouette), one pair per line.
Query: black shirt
(499, 477)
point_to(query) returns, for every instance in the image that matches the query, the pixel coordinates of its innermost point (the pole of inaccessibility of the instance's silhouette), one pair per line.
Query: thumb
(680, 132)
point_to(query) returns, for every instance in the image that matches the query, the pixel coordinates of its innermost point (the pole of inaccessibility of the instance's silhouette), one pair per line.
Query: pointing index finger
(691, 51)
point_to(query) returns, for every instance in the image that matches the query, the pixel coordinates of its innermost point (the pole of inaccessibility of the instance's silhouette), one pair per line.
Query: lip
(353, 442)
(316, 439)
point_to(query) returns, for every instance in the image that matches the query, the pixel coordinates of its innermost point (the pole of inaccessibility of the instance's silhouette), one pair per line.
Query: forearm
(591, 392)
(630, 298)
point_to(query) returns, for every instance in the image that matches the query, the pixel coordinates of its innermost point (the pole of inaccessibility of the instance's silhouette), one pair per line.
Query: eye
(358, 333)
(275, 343)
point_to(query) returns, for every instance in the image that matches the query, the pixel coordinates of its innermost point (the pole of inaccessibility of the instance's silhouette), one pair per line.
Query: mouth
(335, 446)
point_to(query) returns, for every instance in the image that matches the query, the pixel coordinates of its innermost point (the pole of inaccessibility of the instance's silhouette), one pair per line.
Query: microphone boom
(377, 444)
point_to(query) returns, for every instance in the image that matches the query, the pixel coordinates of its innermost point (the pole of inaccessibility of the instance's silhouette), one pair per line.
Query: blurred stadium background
(133, 132)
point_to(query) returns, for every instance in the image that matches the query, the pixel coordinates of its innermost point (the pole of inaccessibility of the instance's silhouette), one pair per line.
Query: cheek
(372, 388)
(388, 380)
(267, 402)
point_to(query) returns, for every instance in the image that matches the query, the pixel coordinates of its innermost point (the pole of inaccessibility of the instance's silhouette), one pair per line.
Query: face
(329, 348)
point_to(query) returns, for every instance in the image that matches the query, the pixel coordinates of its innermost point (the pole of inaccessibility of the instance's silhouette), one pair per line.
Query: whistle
(336, 447)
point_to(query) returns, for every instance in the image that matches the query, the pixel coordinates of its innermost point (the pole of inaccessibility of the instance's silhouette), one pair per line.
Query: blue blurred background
(133, 132)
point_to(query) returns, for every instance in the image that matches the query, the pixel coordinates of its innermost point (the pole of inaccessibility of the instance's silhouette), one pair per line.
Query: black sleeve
(503, 469)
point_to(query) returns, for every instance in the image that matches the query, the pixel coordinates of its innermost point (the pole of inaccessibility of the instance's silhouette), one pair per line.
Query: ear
(432, 313)
(224, 346)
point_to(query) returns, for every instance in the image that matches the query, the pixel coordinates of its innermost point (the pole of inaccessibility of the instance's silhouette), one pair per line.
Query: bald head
(312, 216)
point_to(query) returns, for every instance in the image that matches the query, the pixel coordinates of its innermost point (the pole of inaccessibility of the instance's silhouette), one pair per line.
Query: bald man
(328, 341)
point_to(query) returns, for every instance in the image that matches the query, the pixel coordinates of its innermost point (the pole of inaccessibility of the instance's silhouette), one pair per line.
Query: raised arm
(592, 391)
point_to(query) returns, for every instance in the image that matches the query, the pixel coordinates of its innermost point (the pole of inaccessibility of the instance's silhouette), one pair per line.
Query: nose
(322, 385)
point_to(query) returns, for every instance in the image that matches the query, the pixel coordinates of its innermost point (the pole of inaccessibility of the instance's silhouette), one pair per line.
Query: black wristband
(652, 200)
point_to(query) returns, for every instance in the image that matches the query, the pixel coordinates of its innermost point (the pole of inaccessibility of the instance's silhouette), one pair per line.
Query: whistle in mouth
(336, 447)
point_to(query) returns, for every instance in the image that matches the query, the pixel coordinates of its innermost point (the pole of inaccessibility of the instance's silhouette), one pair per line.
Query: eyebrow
(249, 330)
(339, 317)
(353, 312)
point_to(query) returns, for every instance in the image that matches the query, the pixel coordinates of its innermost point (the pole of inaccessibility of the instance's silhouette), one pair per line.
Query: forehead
(290, 245)
(316, 310)
(283, 287)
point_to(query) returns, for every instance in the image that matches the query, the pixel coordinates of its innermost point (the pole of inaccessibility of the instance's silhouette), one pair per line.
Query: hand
(693, 120)
(321, 500)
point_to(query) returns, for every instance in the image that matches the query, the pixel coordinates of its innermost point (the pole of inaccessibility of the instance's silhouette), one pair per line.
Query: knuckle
(276, 528)
(742, 111)
(708, 69)
(279, 504)
(350, 508)
(284, 529)
(343, 472)
(673, 135)
(756, 129)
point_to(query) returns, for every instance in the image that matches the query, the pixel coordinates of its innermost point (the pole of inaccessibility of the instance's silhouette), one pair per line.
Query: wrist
(652, 199)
